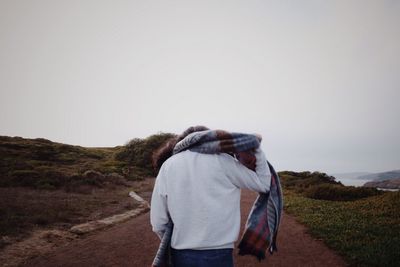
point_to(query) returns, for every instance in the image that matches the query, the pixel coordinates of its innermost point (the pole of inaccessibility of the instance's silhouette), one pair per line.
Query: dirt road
(133, 244)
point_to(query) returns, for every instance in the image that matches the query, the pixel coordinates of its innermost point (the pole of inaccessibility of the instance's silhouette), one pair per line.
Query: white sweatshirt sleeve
(243, 177)
(159, 211)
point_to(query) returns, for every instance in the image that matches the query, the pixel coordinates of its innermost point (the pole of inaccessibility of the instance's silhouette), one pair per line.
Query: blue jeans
(202, 258)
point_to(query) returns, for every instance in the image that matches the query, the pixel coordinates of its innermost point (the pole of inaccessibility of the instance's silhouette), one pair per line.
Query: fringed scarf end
(273, 248)
(245, 250)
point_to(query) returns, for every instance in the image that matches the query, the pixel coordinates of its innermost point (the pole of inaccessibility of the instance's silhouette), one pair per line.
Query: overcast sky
(320, 80)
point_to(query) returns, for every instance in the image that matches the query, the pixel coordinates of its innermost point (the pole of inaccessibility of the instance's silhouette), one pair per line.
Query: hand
(248, 159)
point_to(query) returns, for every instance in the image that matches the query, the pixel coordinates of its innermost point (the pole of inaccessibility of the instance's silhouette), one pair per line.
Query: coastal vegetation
(362, 224)
(42, 164)
(50, 184)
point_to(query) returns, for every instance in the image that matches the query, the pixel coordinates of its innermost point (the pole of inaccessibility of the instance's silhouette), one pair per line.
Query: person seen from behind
(200, 193)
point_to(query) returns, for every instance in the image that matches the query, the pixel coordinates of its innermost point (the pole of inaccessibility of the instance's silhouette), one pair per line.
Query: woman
(200, 193)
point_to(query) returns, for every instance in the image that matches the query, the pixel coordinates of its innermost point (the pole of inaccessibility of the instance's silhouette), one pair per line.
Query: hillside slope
(42, 164)
(48, 184)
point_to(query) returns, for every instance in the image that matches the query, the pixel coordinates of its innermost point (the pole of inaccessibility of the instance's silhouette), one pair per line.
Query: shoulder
(173, 160)
(188, 158)
(187, 155)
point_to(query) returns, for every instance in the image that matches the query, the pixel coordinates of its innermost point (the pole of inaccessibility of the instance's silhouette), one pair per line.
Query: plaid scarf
(263, 222)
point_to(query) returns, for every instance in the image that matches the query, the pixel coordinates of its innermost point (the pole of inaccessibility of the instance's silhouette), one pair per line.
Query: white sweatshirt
(201, 194)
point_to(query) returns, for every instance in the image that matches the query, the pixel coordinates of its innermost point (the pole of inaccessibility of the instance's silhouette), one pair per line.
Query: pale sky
(320, 80)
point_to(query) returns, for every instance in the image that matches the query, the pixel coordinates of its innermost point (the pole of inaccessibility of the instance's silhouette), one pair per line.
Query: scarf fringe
(245, 250)
(260, 255)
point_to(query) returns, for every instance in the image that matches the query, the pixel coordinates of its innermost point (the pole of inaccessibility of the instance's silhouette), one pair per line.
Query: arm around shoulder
(241, 176)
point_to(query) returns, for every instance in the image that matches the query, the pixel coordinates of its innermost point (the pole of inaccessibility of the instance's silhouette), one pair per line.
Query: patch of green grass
(339, 192)
(366, 231)
(300, 181)
(319, 185)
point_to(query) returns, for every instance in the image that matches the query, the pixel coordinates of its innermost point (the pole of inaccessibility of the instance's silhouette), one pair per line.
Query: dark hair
(165, 150)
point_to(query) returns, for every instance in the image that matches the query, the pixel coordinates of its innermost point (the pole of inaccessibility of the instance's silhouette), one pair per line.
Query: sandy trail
(133, 244)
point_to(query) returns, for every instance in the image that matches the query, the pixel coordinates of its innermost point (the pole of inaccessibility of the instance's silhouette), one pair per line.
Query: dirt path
(133, 244)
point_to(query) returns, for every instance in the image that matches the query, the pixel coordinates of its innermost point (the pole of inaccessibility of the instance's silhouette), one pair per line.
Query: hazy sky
(320, 80)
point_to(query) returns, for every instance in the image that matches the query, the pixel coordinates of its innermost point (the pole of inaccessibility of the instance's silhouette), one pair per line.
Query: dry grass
(24, 209)
(47, 185)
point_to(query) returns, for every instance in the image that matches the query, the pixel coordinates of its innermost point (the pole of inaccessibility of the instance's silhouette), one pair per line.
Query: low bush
(137, 152)
(339, 192)
(42, 164)
(300, 181)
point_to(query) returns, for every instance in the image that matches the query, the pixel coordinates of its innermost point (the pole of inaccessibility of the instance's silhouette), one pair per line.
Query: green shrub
(42, 164)
(339, 192)
(134, 173)
(300, 181)
(137, 152)
(110, 166)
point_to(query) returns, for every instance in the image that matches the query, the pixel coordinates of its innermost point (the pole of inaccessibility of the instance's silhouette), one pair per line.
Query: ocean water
(350, 181)
(386, 189)
(359, 182)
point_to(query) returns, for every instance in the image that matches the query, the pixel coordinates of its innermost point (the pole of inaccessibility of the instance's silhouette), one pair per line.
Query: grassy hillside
(49, 184)
(362, 224)
(43, 164)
